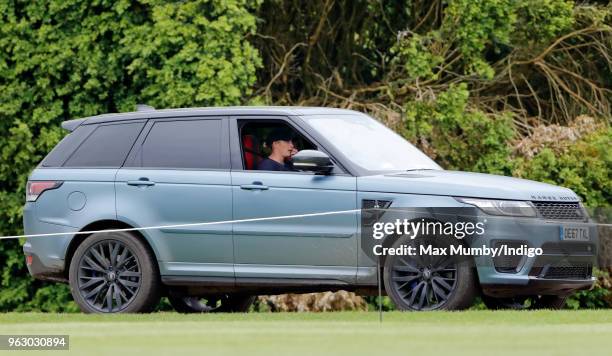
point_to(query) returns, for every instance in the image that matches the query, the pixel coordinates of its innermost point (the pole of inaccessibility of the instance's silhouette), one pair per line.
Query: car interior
(253, 137)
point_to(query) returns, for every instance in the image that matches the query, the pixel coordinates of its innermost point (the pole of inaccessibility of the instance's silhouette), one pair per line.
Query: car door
(309, 225)
(178, 174)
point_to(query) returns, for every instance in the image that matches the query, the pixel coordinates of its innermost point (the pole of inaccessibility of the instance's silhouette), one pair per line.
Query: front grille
(576, 271)
(559, 211)
(568, 272)
(569, 248)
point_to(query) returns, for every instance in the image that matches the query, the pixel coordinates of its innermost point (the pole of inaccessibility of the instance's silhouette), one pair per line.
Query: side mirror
(313, 161)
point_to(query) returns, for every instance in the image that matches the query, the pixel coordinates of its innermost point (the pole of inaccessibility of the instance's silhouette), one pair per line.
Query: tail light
(35, 188)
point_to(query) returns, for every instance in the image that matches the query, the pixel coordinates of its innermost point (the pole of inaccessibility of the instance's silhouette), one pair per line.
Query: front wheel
(114, 272)
(428, 282)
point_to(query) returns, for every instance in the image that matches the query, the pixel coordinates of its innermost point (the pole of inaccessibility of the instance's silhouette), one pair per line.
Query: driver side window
(270, 144)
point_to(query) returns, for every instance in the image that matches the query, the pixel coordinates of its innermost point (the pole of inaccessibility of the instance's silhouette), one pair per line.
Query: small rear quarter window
(106, 147)
(66, 146)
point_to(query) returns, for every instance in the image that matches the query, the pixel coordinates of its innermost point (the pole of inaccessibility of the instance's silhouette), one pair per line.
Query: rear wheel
(428, 282)
(216, 303)
(114, 272)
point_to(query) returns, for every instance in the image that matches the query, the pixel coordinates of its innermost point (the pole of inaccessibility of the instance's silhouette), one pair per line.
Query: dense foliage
(515, 87)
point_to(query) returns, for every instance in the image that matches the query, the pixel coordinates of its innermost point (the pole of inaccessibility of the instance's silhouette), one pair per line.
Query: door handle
(254, 186)
(141, 182)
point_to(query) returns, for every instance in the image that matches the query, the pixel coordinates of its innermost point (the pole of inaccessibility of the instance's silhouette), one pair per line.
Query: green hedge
(68, 59)
(585, 166)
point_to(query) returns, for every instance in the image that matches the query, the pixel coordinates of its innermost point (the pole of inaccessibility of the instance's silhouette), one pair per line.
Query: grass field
(350, 333)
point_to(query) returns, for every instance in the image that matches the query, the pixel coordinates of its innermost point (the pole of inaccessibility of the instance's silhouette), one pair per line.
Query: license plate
(574, 233)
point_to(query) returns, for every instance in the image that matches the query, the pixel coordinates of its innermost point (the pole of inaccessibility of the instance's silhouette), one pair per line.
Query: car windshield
(370, 144)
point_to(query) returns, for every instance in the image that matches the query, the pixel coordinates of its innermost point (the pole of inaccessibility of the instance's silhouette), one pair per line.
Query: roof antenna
(144, 107)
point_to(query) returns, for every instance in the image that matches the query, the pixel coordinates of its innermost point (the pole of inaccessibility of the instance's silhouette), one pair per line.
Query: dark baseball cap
(279, 134)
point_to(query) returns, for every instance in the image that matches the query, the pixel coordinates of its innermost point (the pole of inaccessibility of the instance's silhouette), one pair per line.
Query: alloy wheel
(109, 276)
(424, 282)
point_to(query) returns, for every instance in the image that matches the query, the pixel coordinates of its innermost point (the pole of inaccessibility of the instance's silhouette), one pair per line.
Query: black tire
(429, 282)
(115, 264)
(554, 302)
(212, 304)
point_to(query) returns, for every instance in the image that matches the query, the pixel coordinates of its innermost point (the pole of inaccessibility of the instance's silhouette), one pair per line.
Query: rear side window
(192, 144)
(107, 146)
(66, 146)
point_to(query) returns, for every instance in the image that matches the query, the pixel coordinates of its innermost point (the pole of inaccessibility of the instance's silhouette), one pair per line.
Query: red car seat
(252, 151)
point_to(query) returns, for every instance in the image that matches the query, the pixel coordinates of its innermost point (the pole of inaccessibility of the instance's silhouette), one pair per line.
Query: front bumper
(563, 268)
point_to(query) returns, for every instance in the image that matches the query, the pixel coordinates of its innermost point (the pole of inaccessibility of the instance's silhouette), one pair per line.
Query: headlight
(502, 207)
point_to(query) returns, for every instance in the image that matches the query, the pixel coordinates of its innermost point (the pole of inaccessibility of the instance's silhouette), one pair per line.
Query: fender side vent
(373, 210)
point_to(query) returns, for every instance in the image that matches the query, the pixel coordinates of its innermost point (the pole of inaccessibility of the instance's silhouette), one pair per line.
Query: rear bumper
(47, 252)
(537, 286)
(39, 271)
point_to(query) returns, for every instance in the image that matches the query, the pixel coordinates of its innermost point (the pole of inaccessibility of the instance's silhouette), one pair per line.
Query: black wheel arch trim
(101, 225)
